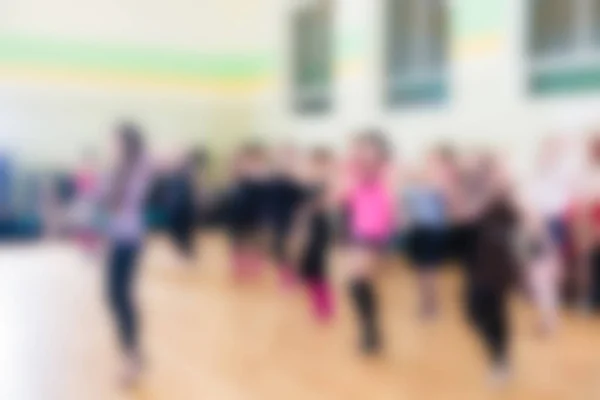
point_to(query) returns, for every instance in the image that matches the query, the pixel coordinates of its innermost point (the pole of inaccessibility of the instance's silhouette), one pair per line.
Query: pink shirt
(371, 208)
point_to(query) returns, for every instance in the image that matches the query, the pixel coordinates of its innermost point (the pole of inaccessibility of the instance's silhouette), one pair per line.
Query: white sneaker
(500, 375)
(132, 369)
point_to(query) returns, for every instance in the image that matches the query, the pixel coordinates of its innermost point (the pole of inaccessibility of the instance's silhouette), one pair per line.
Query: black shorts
(183, 237)
(426, 247)
(462, 240)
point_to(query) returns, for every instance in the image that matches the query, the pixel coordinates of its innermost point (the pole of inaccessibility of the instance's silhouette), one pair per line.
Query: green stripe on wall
(351, 45)
(568, 81)
(79, 56)
(478, 17)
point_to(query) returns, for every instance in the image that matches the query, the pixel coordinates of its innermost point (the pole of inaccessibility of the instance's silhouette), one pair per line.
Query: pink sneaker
(132, 370)
(322, 300)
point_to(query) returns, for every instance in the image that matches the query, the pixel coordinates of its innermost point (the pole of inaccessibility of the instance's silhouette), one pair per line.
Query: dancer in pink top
(370, 211)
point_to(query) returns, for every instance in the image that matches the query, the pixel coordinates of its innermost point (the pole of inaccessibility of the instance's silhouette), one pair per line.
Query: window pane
(436, 39)
(312, 55)
(596, 21)
(416, 51)
(553, 26)
(400, 35)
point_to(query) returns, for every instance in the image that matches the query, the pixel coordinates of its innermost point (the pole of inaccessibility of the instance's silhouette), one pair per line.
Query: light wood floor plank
(208, 338)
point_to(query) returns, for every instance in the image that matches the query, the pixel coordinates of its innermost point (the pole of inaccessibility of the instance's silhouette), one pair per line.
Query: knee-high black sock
(363, 296)
(498, 330)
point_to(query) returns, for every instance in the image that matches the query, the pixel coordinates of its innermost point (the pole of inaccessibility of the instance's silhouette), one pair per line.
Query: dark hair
(378, 139)
(131, 140)
(252, 150)
(133, 147)
(199, 157)
(447, 153)
(321, 154)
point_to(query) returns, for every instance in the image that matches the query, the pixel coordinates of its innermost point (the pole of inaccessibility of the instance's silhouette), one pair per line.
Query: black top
(181, 195)
(283, 196)
(495, 258)
(245, 205)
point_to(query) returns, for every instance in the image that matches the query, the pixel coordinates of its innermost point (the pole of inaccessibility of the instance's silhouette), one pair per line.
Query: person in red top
(587, 228)
(87, 182)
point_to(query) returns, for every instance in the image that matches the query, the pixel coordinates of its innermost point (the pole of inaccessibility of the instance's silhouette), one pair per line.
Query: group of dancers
(293, 206)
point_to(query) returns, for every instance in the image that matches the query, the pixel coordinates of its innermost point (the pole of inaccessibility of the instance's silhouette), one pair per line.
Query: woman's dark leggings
(181, 227)
(594, 278)
(121, 275)
(488, 312)
(183, 238)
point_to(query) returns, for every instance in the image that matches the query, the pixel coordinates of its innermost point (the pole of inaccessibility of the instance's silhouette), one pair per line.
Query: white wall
(488, 102)
(46, 121)
(222, 26)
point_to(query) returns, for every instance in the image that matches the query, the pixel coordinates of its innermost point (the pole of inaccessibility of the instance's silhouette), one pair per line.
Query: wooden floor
(207, 338)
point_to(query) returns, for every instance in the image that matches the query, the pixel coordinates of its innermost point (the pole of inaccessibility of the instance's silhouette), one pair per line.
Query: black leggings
(488, 312)
(182, 234)
(121, 274)
(594, 279)
(461, 246)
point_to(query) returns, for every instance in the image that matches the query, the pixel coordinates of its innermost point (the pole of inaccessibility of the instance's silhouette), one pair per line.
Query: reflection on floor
(208, 338)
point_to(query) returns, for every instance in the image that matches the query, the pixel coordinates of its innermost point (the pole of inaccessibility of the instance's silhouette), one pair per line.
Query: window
(564, 45)
(312, 56)
(416, 51)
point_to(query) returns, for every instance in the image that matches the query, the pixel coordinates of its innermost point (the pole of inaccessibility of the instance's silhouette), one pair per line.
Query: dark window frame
(413, 77)
(312, 57)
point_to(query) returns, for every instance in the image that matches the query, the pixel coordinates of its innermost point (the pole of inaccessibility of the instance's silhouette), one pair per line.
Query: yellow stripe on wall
(477, 46)
(32, 75)
(65, 61)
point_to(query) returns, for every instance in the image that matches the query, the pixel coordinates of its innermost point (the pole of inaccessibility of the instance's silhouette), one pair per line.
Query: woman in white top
(552, 189)
(587, 228)
(545, 230)
(124, 203)
(540, 257)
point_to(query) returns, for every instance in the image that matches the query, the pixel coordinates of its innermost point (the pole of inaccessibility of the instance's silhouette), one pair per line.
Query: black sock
(363, 297)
